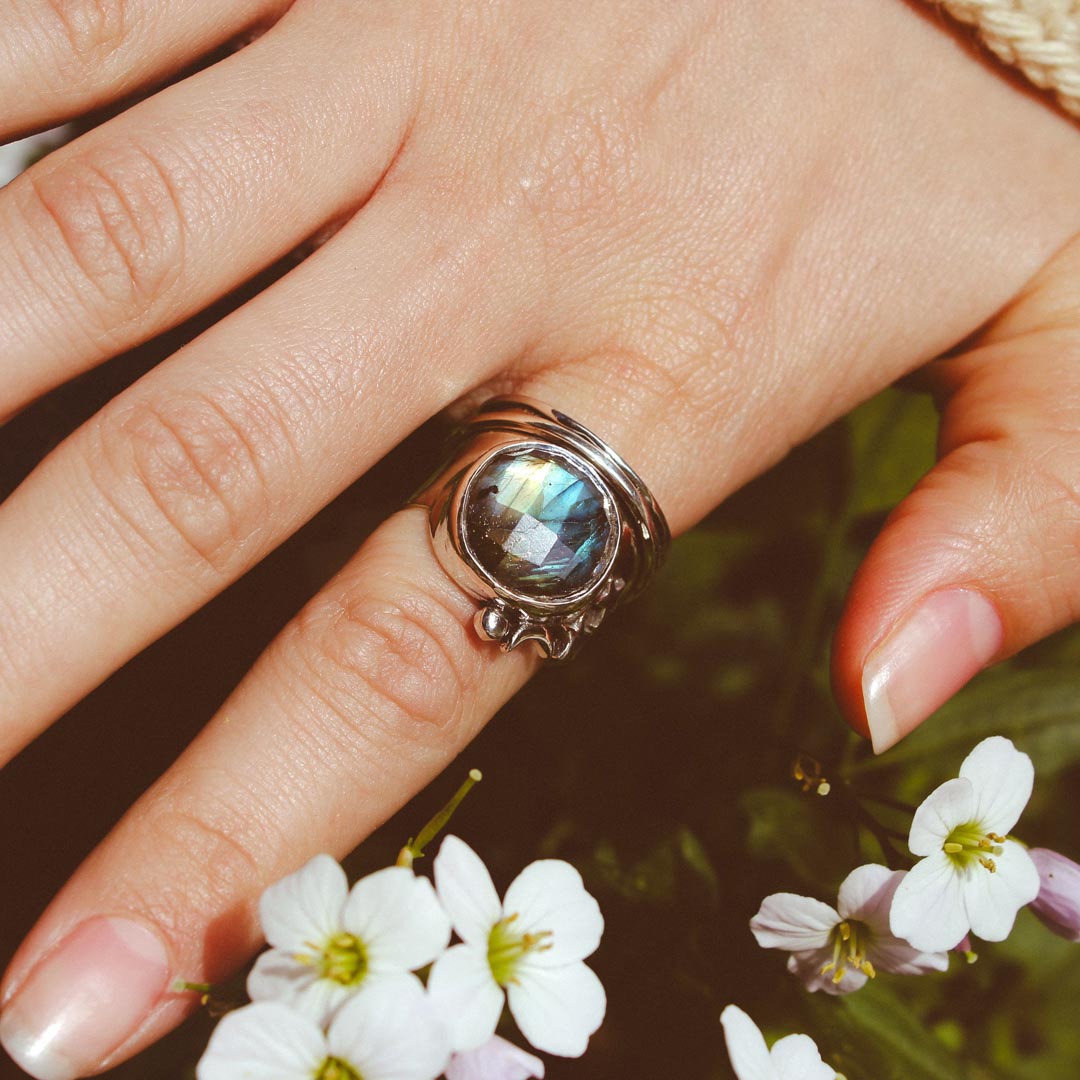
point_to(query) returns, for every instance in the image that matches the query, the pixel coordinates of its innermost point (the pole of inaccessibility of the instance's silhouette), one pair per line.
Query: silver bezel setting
(637, 540)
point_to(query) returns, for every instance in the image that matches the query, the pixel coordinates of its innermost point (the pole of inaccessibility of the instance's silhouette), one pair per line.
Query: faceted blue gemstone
(536, 524)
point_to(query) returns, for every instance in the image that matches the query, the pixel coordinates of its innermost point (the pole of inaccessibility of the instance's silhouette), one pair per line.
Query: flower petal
(266, 1041)
(796, 1057)
(305, 907)
(993, 899)
(495, 1060)
(466, 995)
(928, 909)
(899, 958)
(277, 976)
(868, 897)
(557, 1009)
(951, 804)
(866, 894)
(1002, 778)
(793, 922)
(466, 891)
(392, 1034)
(549, 895)
(746, 1046)
(807, 966)
(1058, 902)
(398, 918)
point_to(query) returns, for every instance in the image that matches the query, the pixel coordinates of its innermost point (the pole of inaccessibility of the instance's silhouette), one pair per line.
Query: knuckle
(199, 466)
(89, 32)
(214, 853)
(578, 171)
(391, 670)
(649, 389)
(116, 221)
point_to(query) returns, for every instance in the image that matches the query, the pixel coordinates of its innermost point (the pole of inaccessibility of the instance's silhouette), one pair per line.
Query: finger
(61, 58)
(191, 476)
(150, 217)
(372, 690)
(981, 559)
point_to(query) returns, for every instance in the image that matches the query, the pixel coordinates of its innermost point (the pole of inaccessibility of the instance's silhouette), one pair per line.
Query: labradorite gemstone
(536, 524)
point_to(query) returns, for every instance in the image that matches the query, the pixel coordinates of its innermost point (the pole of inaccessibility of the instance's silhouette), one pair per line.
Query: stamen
(506, 948)
(335, 1069)
(968, 844)
(343, 959)
(850, 941)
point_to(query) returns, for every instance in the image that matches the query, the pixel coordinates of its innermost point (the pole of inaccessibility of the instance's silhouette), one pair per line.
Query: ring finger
(376, 685)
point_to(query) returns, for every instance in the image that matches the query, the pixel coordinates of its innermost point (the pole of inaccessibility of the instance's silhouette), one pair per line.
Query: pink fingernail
(949, 638)
(84, 998)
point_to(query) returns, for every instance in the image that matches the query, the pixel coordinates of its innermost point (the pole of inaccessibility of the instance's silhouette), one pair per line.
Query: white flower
(330, 943)
(393, 1035)
(972, 877)
(497, 1059)
(794, 1057)
(838, 949)
(531, 945)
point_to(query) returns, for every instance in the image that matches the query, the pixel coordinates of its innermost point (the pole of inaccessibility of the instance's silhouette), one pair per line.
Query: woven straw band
(1040, 37)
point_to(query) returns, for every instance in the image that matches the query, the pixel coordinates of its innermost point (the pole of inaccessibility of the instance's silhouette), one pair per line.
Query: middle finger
(187, 479)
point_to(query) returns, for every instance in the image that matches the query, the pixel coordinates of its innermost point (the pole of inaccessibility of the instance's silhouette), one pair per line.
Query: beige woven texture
(1040, 37)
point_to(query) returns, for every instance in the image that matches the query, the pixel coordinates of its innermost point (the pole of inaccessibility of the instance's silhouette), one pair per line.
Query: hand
(705, 235)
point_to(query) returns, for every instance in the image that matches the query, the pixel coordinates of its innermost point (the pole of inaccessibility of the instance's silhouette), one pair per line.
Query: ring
(542, 522)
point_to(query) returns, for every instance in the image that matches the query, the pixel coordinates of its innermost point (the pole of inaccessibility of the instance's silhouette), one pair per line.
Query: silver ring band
(543, 523)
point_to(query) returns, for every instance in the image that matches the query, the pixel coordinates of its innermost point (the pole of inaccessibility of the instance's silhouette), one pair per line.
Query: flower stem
(215, 1006)
(884, 837)
(414, 849)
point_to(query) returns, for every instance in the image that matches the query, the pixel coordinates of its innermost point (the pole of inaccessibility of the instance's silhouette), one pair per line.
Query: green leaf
(893, 443)
(875, 1035)
(1039, 710)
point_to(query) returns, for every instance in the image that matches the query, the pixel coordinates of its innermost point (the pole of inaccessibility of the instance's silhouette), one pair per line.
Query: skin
(705, 231)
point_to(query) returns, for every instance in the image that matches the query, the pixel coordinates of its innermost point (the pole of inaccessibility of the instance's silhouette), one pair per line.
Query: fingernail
(949, 638)
(84, 998)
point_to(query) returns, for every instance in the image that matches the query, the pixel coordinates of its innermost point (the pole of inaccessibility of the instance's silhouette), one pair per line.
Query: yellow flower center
(850, 943)
(336, 1069)
(342, 959)
(969, 844)
(506, 947)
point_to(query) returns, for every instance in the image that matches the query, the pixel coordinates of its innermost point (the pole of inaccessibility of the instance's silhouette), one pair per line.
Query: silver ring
(543, 523)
